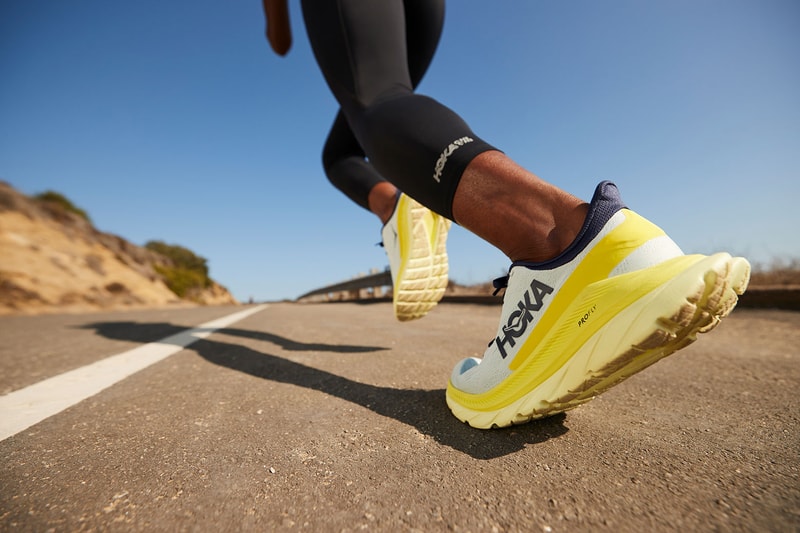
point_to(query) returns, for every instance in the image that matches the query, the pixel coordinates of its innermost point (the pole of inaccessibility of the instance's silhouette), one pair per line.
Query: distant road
(331, 417)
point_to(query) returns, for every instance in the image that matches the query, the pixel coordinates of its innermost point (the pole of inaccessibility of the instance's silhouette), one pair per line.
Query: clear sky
(173, 120)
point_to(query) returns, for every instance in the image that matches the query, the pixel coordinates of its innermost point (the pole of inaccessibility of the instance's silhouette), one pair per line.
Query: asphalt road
(331, 417)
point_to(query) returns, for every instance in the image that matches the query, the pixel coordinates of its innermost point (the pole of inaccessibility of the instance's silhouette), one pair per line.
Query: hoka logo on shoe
(518, 321)
(442, 161)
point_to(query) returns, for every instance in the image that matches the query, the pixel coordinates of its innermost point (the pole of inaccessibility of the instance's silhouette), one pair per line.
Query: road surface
(331, 417)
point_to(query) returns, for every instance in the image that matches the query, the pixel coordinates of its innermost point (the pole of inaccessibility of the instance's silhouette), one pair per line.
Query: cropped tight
(373, 53)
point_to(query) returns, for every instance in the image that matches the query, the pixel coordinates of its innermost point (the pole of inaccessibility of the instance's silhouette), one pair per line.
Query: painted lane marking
(23, 408)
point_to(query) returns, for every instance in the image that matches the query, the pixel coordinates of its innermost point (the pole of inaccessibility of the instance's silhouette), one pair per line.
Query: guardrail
(787, 298)
(352, 289)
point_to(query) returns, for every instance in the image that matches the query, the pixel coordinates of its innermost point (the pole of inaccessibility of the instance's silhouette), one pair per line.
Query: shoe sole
(656, 325)
(423, 275)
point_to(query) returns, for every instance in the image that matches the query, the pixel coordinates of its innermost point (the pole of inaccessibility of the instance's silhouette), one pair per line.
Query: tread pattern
(424, 276)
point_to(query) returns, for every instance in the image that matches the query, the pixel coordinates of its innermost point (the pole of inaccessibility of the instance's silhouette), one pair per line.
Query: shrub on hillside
(180, 256)
(187, 272)
(61, 201)
(182, 281)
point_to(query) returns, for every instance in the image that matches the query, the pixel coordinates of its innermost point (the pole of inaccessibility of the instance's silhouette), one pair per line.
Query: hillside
(54, 260)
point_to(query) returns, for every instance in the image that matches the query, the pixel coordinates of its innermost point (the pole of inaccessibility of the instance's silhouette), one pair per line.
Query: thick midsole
(602, 301)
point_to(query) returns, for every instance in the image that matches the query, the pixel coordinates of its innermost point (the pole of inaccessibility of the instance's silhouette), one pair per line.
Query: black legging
(372, 54)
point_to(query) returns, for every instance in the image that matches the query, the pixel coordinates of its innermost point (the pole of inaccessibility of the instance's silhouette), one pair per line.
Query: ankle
(382, 200)
(525, 217)
(542, 245)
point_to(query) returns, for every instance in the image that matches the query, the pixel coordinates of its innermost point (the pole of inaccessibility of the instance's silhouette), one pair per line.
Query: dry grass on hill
(780, 273)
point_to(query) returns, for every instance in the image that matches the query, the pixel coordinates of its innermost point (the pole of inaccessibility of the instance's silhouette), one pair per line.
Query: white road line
(23, 408)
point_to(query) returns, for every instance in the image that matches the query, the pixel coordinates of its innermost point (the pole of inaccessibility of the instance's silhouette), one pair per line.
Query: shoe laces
(500, 284)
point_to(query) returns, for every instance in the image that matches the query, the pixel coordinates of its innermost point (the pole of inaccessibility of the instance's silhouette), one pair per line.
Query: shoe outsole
(655, 326)
(423, 276)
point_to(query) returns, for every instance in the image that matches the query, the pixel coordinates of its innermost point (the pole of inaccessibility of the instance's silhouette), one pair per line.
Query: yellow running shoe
(415, 240)
(620, 298)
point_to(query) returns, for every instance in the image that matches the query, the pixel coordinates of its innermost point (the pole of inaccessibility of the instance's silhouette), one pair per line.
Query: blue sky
(174, 121)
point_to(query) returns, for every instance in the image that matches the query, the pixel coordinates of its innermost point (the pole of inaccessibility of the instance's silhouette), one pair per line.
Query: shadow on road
(158, 331)
(425, 410)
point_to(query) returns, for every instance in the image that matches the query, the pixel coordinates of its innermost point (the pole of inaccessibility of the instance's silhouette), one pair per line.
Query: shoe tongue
(605, 203)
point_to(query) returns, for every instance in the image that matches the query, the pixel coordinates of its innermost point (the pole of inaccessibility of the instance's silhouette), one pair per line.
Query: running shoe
(415, 240)
(620, 298)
